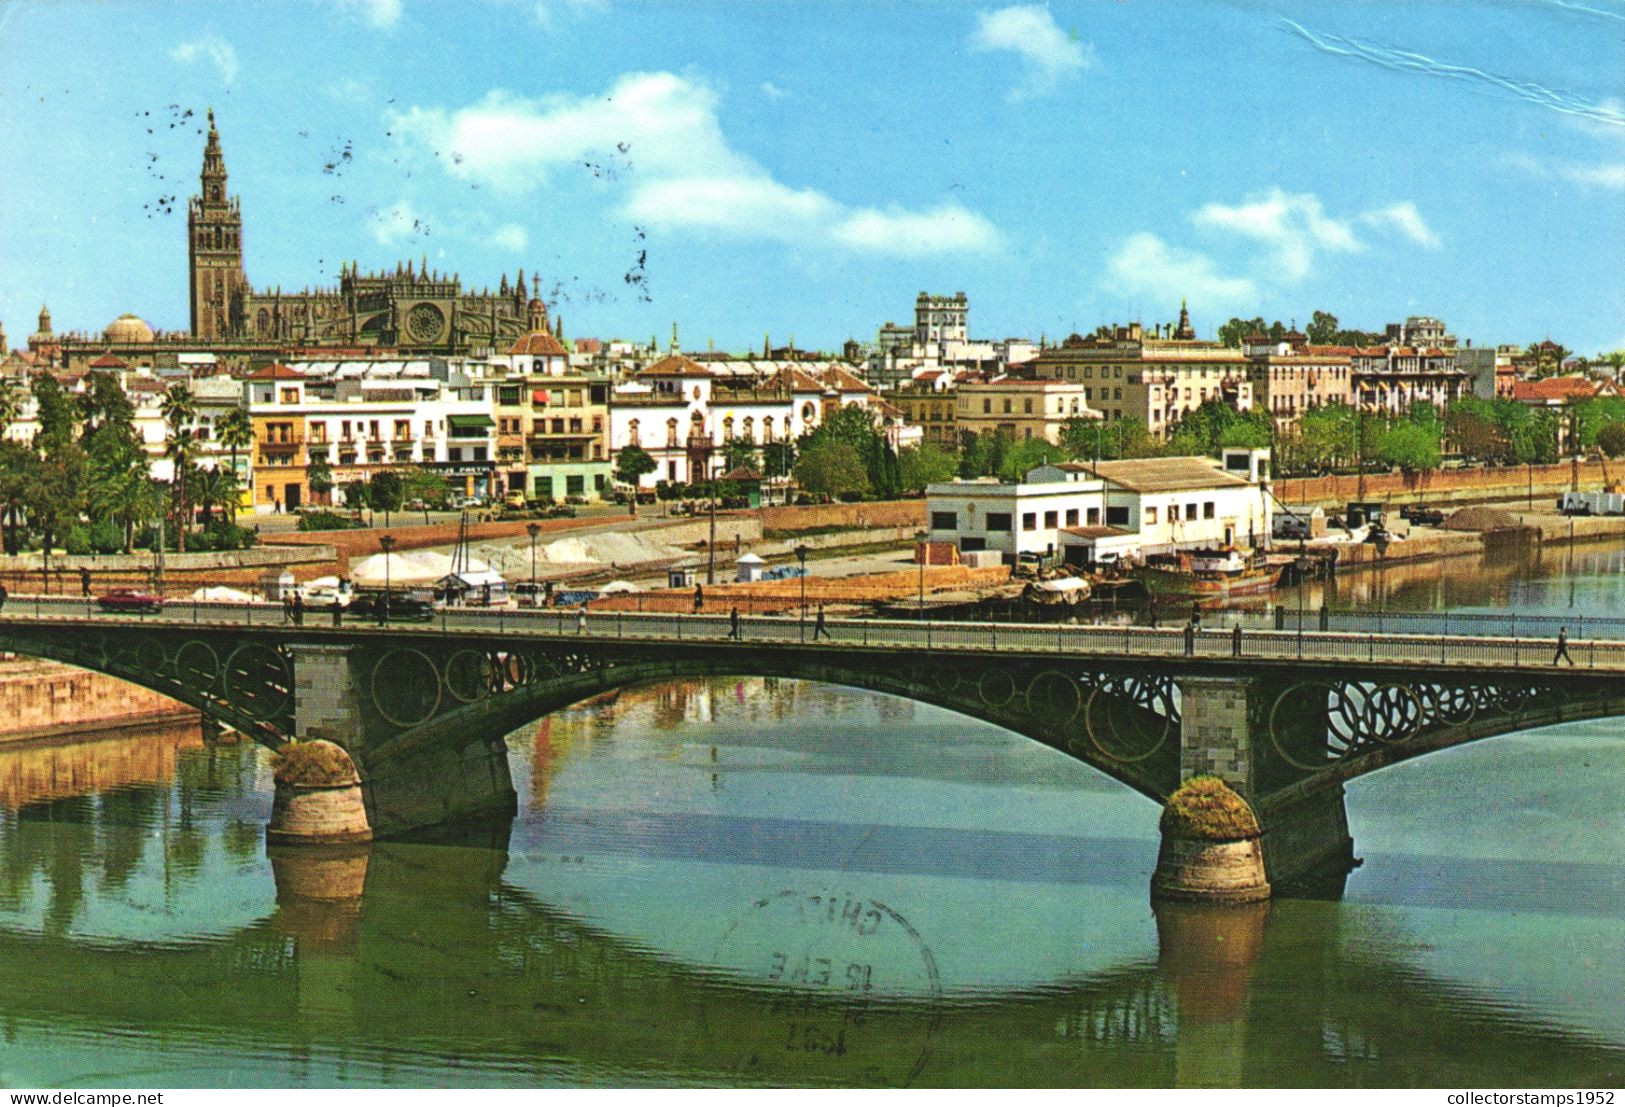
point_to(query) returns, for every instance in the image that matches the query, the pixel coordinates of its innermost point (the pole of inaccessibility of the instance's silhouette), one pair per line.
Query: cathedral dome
(128, 328)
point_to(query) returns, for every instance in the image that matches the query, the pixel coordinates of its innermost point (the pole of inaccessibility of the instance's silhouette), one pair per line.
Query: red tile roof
(539, 343)
(676, 365)
(276, 371)
(108, 361)
(1553, 390)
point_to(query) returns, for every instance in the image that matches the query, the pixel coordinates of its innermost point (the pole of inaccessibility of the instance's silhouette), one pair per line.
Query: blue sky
(806, 168)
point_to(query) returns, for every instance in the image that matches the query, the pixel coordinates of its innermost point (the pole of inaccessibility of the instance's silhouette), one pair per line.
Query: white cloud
(1605, 175)
(1030, 32)
(509, 236)
(945, 228)
(661, 135)
(1293, 225)
(380, 13)
(214, 49)
(399, 223)
(1146, 265)
(773, 91)
(1404, 218)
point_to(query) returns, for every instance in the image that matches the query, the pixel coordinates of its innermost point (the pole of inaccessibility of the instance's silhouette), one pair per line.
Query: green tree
(925, 464)
(738, 453)
(634, 463)
(981, 455)
(11, 405)
(1410, 446)
(55, 413)
(123, 492)
(179, 410)
(319, 475)
(778, 458)
(1027, 454)
(1322, 328)
(1215, 424)
(857, 427)
(425, 486)
(235, 429)
(387, 493)
(831, 467)
(1611, 439)
(358, 495)
(19, 472)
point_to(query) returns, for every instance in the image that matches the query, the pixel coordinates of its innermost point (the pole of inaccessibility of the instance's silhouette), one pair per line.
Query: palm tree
(236, 432)
(216, 487)
(123, 489)
(179, 410)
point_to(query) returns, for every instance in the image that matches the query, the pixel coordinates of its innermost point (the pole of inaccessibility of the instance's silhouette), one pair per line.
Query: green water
(750, 881)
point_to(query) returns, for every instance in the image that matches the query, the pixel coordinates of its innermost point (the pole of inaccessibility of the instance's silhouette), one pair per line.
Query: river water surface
(756, 881)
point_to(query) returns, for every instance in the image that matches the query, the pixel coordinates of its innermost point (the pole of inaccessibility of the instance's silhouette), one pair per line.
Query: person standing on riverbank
(1563, 647)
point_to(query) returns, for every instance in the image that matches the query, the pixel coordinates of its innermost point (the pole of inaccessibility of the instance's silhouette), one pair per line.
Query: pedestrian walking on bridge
(1562, 646)
(819, 629)
(733, 623)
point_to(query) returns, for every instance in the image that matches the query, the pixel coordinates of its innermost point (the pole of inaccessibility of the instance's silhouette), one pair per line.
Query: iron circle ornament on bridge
(258, 681)
(839, 989)
(197, 666)
(470, 675)
(1343, 718)
(1128, 719)
(405, 686)
(1054, 698)
(995, 688)
(152, 658)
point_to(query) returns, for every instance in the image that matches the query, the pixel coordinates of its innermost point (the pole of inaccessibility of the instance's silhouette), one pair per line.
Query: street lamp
(533, 530)
(801, 556)
(385, 543)
(921, 552)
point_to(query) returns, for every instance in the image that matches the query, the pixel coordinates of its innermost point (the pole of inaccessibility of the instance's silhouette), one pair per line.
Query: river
(770, 882)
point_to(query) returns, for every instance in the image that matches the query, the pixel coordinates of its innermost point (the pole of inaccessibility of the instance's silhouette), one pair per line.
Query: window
(1093, 516)
(987, 407)
(1007, 406)
(1151, 516)
(1029, 520)
(544, 487)
(290, 395)
(944, 520)
(1071, 516)
(998, 521)
(1208, 510)
(575, 485)
(1190, 512)
(1052, 518)
(1027, 406)
(1115, 516)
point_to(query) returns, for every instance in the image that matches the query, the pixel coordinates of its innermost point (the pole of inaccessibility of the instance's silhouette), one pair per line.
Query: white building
(1015, 519)
(1109, 510)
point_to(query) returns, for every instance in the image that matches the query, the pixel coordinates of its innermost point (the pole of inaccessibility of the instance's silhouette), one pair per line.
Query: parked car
(1422, 516)
(402, 608)
(130, 599)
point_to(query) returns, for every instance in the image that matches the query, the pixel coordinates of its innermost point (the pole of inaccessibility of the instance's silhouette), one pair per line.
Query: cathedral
(410, 310)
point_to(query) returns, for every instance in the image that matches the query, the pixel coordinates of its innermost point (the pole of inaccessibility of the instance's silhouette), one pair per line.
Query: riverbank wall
(42, 699)
(1443, 487)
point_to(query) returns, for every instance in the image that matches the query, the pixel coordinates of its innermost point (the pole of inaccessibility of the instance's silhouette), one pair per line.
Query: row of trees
(85, 481)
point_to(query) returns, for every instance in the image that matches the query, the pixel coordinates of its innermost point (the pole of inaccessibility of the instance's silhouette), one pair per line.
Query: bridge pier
(442, 777)
(1306, 839)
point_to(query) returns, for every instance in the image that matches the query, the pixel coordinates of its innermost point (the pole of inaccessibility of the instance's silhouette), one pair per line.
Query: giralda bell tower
(214, 224)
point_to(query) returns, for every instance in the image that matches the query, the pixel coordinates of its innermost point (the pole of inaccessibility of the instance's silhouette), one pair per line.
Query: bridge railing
(1291, 644)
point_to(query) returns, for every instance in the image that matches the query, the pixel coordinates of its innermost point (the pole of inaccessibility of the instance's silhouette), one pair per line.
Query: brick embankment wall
(772, 596)
(43, 698)
(358, 544)
(1447, 486)
(882, 513)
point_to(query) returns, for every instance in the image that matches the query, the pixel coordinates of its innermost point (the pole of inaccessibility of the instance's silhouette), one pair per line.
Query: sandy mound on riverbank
(1480, 519)
(585, 551)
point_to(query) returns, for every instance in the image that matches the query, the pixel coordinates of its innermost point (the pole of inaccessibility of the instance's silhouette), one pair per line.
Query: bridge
(1287, 717)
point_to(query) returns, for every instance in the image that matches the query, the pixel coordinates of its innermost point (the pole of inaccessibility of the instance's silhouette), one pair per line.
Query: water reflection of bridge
(412, 948)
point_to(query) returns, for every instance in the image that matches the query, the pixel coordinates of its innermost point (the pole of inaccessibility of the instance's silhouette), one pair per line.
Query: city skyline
(1066, 166)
